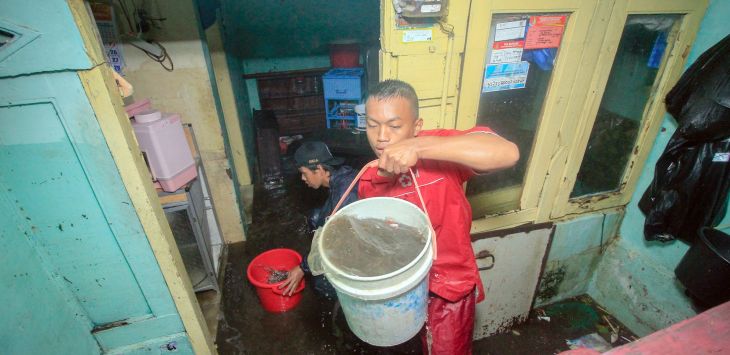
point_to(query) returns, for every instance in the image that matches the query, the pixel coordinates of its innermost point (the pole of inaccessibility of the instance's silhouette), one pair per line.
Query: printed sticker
(506, 52)
(510, 30)
(506, 76)
(545, 32)
(417, 36)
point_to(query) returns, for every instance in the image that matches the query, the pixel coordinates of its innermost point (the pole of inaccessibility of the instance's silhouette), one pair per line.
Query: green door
(78, 274)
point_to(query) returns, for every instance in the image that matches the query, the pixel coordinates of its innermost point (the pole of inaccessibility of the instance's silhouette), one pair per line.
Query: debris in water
(515, 332)
(590, 341)
(614, 330)
(547, 319)
(276, 275)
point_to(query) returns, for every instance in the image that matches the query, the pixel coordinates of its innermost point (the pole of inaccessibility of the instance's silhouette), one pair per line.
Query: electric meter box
(421, 8)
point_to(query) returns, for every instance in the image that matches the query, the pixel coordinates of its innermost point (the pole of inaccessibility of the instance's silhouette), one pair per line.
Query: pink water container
(162, 140)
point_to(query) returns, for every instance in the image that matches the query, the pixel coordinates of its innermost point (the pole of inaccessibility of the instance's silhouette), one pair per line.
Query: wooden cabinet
(296, 97)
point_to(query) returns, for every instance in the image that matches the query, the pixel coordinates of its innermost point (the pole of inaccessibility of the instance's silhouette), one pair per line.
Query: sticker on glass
(545, 31)
(506, 76)
(721, 157)
(431, 8)
(510, 30)
(506, 52)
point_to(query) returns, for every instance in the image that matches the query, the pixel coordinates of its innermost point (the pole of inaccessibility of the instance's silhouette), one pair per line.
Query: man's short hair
(392, 88)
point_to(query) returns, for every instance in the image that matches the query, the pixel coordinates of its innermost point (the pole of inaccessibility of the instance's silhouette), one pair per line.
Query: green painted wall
(291, 28)
(577, 247)
(635, 279)
(77, 271)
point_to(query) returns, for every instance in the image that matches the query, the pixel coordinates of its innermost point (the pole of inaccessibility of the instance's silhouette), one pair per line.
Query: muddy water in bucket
(371, 246)
(377, 254)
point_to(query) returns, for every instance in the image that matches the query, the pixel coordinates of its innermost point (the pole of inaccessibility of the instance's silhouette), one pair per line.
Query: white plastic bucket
(361, 117)
(389, 309)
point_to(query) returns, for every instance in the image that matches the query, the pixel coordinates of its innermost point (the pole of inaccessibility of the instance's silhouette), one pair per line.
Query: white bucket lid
(360, 109)
(148, 116)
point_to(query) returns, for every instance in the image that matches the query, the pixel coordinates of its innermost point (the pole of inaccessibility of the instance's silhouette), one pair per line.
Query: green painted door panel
(45, 178)
(34, 299)
(59, 210)
(77, 271)
(41, 40)
(67, 196)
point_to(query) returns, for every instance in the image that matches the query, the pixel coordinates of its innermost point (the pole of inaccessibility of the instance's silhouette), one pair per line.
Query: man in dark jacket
(320, 169)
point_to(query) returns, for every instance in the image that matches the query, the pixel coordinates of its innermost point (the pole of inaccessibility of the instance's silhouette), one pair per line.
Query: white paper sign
(721, 157)
(509, 55)
(510, 30)
(417, 36)
(431, 8)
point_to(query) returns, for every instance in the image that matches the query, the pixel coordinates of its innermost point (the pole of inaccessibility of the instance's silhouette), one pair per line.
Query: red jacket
(454, 273)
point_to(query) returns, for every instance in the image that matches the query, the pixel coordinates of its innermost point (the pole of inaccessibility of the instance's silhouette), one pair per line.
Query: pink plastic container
(138, 106)
(162, 139)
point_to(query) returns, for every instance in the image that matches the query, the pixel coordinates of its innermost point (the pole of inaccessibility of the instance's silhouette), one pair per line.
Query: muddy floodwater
(318, 326)
(370, 246)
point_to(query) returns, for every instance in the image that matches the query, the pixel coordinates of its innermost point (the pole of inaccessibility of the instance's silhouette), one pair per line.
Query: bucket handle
(374, 164)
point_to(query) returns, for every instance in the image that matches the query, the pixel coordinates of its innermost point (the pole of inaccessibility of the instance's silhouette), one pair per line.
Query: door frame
(106, 102)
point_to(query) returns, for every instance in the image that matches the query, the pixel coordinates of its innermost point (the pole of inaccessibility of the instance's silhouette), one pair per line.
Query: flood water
(316, 325)
(371, 246)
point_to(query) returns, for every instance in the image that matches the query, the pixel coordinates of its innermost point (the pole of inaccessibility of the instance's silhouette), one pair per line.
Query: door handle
(483, 255)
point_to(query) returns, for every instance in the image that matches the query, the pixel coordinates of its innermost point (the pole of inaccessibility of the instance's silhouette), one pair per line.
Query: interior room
(171, 177)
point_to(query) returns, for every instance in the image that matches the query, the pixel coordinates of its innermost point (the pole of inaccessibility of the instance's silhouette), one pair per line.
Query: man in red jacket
(442, 160)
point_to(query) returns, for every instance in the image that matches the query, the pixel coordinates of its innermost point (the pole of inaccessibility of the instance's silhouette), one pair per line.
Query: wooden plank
(173, 198)
(286, 74)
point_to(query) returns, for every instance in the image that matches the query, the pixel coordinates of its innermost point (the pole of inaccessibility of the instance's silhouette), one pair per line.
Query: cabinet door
(64, 204)
(512, 263)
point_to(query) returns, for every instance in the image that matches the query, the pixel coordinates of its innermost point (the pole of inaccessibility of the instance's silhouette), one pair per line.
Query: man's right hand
(296, 274)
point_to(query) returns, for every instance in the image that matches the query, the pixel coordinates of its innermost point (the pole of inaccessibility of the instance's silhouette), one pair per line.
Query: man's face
(390, 121)
(313, 178)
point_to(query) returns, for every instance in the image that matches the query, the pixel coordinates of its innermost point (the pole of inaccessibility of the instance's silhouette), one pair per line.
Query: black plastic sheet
(691, 178)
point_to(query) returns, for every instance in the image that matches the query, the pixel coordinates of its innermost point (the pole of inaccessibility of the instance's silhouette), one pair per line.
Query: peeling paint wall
(574, 254)
(635, 279)
(187, 90)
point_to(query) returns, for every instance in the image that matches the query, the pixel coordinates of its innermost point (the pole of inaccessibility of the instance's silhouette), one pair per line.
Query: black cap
(312, 153)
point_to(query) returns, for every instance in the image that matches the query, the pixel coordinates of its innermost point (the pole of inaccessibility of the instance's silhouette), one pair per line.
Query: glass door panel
(518, 68)
(631, 82)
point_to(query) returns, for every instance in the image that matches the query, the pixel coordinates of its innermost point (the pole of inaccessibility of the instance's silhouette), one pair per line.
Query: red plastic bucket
(345, 55)
(258, 272)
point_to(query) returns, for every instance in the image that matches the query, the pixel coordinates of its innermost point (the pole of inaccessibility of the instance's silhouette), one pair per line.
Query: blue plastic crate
(343, 84)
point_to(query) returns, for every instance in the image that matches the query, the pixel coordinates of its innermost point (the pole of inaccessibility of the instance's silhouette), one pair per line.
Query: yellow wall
(423, 64)
(228, 102)
(187, 90)
(454, 59)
